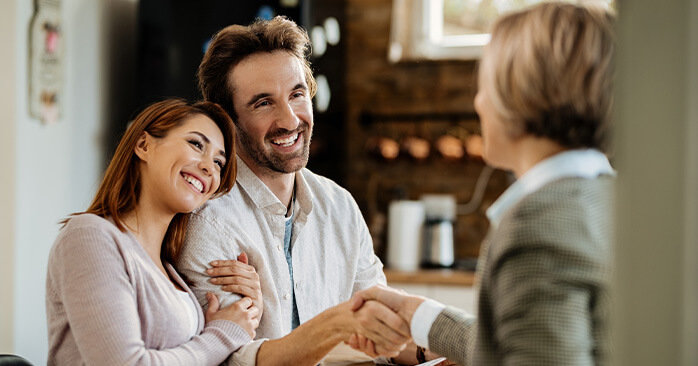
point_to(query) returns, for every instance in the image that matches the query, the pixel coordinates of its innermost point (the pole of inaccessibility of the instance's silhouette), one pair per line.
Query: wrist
(339, 321)
(409, 307)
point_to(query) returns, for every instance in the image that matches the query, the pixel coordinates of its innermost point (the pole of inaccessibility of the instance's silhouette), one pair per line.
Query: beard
(266, 157)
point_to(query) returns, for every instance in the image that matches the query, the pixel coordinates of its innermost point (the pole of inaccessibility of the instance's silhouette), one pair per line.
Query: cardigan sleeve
(88, 271)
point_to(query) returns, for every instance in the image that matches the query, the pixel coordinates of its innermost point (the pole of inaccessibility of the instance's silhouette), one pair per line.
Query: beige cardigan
(108, 304)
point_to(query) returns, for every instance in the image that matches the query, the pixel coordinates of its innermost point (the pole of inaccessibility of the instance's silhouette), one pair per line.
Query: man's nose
(288, 119)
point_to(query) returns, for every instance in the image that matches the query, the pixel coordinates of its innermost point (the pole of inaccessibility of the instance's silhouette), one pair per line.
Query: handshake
(382, 318)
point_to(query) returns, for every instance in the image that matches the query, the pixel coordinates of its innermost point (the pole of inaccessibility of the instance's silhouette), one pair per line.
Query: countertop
(448, 277)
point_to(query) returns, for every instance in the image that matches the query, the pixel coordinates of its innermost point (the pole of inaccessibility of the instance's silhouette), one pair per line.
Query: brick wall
(376, 87)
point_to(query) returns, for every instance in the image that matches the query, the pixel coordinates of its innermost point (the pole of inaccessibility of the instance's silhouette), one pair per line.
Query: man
(303, 233)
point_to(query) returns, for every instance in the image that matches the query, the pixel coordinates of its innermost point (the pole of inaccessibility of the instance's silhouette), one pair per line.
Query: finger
(353, 341)
(387, 317)
(357, 301)
(382, 351)
(213, 304)
(250, 279)
(235, 268)
(244, 303)
(371, 347)
(244, 291)
(222, 263)
(243, 258)
(375, 319)
(232, 264)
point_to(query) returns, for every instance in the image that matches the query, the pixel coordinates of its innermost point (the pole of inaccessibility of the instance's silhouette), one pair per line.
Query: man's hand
(387, 332)
(237, 276)
(398, 301)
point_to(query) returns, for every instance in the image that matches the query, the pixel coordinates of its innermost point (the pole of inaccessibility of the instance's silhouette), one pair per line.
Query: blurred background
(394, 124)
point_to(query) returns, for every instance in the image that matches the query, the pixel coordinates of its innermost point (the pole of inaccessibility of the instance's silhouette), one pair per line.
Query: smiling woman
(112, 296)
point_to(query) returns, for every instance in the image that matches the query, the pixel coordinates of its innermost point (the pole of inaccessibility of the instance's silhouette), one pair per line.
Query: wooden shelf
(447, 277)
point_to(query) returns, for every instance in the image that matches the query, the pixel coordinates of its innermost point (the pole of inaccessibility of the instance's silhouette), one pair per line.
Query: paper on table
(433, 362)
(342, 354)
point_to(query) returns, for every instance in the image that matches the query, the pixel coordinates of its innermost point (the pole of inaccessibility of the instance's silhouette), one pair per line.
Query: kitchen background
(377, 108)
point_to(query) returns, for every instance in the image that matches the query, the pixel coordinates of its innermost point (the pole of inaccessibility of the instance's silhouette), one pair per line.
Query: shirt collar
(588, 164)
(264, 198)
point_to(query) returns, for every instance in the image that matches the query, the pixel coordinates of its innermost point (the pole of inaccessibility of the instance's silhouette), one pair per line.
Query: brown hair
(119, 191)
(233, 43)
(548, 71)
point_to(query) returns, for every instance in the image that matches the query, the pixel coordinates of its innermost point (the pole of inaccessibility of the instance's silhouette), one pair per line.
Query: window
(448, 29)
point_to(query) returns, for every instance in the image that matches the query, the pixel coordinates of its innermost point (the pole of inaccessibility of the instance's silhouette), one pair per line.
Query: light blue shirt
(288, 235)
(588, 163)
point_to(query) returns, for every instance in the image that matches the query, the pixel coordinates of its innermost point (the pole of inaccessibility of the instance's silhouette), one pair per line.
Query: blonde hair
(548, 72)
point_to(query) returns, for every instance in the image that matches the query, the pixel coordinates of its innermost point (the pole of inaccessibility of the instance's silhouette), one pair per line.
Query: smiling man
(302, 232)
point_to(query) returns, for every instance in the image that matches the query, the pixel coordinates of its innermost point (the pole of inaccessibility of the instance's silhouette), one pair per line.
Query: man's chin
(290, 165)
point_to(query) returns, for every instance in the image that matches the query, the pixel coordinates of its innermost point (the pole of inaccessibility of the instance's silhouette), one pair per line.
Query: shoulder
(89, 223)
(93, 237)
(218, 211)
(571, 214)
(326, 192)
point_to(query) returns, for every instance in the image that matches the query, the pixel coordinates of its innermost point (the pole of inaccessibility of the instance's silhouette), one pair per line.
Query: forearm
(311, 341)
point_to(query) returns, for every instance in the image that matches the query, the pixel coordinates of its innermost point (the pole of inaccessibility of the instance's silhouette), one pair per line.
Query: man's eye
(263, 103)
(298, 94)
(196, 144)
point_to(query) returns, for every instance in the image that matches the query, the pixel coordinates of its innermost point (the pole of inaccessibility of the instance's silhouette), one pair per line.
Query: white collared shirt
(331, 248)
(587, 163)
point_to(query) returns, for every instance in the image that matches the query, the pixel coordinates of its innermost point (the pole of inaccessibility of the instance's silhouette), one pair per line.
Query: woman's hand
(242, 312)
(237, 276)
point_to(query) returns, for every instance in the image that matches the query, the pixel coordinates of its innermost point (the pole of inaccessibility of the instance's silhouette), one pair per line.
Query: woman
(112, 296)
(544, 102)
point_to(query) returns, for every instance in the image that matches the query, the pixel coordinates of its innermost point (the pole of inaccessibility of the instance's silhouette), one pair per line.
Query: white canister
(405, 222)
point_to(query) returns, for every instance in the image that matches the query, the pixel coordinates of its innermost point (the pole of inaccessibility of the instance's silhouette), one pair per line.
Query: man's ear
(143, 146)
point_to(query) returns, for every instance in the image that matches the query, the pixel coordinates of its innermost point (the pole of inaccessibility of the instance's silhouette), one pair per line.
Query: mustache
(284, 132)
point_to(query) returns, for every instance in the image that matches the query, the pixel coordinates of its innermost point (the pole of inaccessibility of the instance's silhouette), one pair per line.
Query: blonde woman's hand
(242, 312)
(238, 277)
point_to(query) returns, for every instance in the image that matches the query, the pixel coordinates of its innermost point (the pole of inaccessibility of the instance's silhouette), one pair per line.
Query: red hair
(119, 191)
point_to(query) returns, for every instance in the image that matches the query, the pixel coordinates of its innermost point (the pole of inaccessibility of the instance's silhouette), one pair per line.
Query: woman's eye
(196, 144)
(220, 164)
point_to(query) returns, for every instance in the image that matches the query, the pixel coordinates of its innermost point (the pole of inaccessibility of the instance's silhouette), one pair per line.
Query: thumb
(357, 301)
(213, 304)
(243, 258)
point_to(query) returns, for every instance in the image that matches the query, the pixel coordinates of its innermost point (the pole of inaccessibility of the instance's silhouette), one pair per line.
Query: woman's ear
(143, 146)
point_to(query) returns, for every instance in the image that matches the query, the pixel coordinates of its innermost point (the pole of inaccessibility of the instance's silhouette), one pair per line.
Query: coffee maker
(437, 243)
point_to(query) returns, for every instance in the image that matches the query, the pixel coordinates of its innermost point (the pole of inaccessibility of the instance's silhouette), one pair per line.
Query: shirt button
(279, 248)
(286, 296)
(298, 285)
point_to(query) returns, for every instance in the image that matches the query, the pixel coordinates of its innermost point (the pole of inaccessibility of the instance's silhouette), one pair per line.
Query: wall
(57, 167)
(8, 29)
(657, 191)
(378, 88)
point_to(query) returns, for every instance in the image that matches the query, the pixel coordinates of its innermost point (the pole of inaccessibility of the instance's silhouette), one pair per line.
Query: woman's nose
(206, 165)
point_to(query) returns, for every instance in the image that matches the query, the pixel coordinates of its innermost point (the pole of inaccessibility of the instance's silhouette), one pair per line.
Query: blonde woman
(544, 101)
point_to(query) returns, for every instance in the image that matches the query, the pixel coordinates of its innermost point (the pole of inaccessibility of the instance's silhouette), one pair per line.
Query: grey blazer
(544, 277)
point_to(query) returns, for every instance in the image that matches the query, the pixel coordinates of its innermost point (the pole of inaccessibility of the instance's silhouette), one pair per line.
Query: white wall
(57, 167)
(656, 138)
(8, 30)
